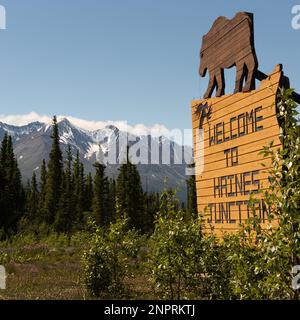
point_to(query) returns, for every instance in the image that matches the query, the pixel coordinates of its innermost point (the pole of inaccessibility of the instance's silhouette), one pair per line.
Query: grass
(52, 270)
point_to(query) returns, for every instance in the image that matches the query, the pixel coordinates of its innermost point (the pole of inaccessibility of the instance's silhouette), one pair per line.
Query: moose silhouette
(229, 43)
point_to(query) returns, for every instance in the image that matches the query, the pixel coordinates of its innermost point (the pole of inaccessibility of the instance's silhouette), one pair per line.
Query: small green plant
(106, 262)
(282, 243)
(176, 248)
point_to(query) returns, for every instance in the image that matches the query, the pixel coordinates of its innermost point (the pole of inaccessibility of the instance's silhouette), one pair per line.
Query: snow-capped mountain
(32, 144)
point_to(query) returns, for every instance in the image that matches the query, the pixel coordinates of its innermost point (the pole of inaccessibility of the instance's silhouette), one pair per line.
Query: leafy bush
(281, 247)
(3, 258)
(106, 262)
(176, 247)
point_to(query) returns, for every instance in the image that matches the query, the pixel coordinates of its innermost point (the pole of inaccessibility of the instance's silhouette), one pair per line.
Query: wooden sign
(235, 127)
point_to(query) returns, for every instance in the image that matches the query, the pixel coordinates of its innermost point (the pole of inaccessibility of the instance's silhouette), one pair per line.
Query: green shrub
(106, 262)
(176, 248)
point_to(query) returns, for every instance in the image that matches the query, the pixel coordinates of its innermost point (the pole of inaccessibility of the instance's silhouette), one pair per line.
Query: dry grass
(56, 275)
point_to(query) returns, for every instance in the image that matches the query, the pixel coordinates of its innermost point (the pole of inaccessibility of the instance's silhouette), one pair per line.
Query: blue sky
(134, 60)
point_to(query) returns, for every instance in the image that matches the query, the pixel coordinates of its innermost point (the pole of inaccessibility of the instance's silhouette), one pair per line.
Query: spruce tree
(65, 218)
(12, 195)
(88, 199)
(100, 199)
(33, 199)
(54, 177)
(2, 195)
(129, 195)
(43, 182)
(81, 195)
(79, 185)
(112, 189)
(3, 186)
(192, 196)
(152, 205)
(42, 186)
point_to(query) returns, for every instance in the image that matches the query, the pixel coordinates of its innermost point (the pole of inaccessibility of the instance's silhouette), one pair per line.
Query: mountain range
(32, 144)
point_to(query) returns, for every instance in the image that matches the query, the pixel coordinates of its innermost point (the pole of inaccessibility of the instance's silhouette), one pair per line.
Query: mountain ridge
(32, 144)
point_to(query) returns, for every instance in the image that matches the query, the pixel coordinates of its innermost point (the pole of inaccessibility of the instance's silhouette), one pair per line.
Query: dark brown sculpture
(229, 43)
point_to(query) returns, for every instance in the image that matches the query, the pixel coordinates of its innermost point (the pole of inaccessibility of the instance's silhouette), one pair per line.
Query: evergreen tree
(79, 186)
(129, 195)
(42, 187)
(2, 194)
(81, 195)
(12, 193)
(43, 183)
(152, 205)
(112, 199)
(65, 218)
(100, 199)
(32, 199)
(88, 193)
(192, 196)
(3, 152)
(54, 177)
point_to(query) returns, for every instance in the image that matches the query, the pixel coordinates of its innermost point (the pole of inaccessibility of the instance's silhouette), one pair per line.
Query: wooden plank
(232, 186)
(232, 212)
(266, 101)
(219, 171)
(256, 136)
(251, 150)
(237, 102)
(243, 212)
(211, 199)
(255, 144)
(208, 183)
(248, 161)
(205, 194)
(221, 231)
(263, 109)
(238, 127)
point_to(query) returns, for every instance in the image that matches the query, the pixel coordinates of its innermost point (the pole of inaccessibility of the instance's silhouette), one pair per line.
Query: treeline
(12, 195)
(64, 197)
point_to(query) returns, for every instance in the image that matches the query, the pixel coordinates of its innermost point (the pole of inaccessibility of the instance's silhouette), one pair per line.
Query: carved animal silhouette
(229, 43)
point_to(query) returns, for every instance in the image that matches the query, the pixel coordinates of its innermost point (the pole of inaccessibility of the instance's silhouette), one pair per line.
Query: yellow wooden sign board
(228, 165)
